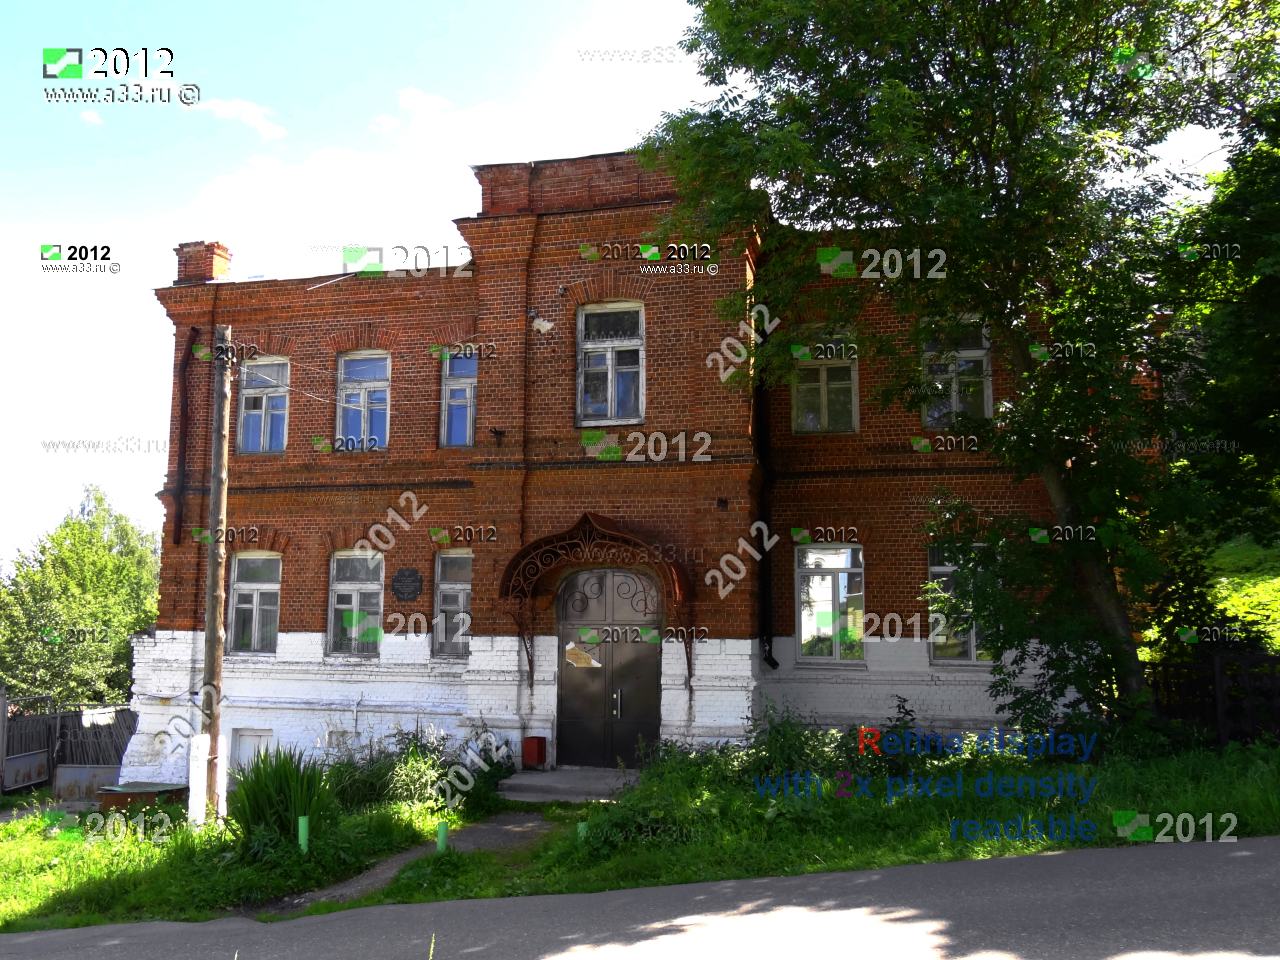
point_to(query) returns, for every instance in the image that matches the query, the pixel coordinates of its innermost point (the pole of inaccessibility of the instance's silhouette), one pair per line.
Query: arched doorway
(609, 696)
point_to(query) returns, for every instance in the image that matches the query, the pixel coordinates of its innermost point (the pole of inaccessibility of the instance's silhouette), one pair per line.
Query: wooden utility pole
(214, 596)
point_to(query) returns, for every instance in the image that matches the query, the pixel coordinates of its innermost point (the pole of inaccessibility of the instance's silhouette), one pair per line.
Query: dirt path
(505, 831)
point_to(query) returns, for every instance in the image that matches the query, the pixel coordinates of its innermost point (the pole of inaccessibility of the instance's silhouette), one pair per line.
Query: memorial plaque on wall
(406, 583)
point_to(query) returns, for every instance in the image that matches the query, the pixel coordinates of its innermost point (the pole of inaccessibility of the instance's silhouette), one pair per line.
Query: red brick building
(437, 482)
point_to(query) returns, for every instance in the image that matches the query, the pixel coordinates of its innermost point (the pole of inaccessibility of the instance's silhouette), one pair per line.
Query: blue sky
(319, 124)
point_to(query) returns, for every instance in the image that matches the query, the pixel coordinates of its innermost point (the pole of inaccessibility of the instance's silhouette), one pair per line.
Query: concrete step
(565, 784)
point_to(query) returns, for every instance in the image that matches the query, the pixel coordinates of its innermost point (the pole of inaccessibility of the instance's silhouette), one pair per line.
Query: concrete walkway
(566, 784)
(1166, 901)
(505, 831)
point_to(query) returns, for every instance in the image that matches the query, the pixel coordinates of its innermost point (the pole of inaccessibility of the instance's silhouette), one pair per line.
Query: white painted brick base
(309, 701)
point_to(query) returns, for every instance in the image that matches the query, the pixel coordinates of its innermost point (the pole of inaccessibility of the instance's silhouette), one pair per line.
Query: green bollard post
(304, 833)
(442, 838)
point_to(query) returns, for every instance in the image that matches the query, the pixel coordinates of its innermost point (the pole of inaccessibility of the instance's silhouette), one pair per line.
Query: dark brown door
(610, 674)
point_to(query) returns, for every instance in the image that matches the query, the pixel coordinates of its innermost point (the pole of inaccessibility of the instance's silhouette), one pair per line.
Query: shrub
(273, 792)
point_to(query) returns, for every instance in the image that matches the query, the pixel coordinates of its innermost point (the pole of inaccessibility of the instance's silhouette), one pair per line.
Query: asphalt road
(1208, 901)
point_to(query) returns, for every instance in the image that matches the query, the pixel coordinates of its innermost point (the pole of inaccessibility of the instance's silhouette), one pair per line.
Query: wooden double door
(610, 667)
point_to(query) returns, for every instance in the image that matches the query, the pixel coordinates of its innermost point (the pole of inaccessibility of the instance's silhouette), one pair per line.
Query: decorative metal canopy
(594, 540)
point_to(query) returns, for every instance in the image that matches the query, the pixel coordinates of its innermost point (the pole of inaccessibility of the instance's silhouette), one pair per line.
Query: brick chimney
(200, 262)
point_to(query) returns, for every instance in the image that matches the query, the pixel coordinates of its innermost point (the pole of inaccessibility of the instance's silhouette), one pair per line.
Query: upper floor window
(825, 397)
(611, 363)
(829, 602)
(355, 602)
(944, 642)
(451, 628)
(458, 401)
(264, 406)
(255, 602)
(960, 379)
(364, 400)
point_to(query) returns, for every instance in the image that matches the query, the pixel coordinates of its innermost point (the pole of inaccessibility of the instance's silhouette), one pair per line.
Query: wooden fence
(1236, 695)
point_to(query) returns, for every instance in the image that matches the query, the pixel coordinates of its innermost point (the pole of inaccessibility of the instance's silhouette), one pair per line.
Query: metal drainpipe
(184, 412)
(763, 451)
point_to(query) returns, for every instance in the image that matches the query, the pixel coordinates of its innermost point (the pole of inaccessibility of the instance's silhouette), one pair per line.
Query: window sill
(813, 663)
(260, 453)
(256, 654)
(825, 433)
(964, 666)
(588, 424)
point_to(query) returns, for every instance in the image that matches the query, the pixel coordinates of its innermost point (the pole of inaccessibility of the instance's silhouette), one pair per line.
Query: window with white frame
(825, 397)
(611, 364)
(458, 401)
(451, 627)
(829, 602)
(264, 406)
(959, 380)
(944, 643)
(355, 602)
(255, 603)
(364, 400)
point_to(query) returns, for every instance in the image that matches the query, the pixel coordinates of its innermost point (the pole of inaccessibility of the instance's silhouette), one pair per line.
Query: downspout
(213, 327)
(763, 448)
(184, 413)
(527, 642)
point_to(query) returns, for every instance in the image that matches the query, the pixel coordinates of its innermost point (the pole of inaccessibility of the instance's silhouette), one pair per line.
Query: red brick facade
(528, 473)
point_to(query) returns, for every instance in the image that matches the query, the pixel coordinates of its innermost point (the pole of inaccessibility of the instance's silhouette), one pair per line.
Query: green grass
(25, 798)
(52, 876)
(1249, 583)
(730, 833)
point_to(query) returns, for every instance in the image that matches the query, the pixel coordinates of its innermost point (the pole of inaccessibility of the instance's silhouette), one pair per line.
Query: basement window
(355, 603)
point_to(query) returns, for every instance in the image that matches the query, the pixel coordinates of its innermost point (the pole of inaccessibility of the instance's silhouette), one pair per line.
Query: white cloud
(247, 112)
(91, 117)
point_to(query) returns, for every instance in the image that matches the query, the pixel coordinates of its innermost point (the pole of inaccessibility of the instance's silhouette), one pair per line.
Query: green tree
(68, 609)
(1017, 138)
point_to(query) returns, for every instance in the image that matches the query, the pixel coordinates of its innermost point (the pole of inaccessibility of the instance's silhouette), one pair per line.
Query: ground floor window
(355, 603)
(829, 602)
